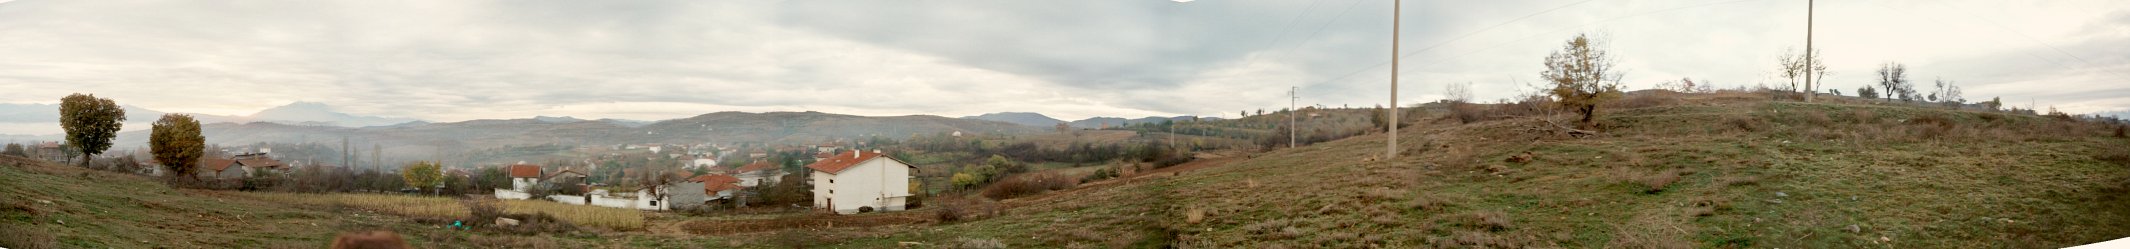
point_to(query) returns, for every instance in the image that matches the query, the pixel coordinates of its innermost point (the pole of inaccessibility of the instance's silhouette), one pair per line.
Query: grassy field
(57, 206)
(1710, 171)
(613, 219)
(1713, 170)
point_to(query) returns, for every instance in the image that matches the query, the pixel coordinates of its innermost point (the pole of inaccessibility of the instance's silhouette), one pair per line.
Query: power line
(1527, 38)
(2001, 26)
(1459, 38)
(1276, 37)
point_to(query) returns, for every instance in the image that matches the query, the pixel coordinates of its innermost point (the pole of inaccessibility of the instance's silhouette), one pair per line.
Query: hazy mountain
(625, 122)
(2123, 114)
(314, 113)
(1020, 118)
(49, 113)
(562, 119)
(422, 141)
(1098, 122)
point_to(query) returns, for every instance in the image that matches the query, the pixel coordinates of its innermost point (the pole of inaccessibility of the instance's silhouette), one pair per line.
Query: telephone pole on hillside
(1391, 150)
(1809, 55)
(1291, 98)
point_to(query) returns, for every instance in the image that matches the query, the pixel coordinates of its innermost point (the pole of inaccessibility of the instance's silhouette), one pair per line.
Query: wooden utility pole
(1809, 55)
(1391, 150)
(1291, 98)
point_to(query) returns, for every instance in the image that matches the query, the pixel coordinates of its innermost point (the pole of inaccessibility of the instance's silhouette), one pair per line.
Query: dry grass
(1028, 184)
(1655, 182)
(446, 208)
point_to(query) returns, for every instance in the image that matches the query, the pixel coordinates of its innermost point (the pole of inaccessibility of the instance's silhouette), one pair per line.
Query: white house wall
(883, 184)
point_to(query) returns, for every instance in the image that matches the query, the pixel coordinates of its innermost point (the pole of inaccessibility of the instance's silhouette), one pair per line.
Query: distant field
(447, 208)
(48, 206)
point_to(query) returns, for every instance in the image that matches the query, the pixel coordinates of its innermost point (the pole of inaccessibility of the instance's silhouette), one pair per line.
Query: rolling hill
(424, 141)
(1705, 170)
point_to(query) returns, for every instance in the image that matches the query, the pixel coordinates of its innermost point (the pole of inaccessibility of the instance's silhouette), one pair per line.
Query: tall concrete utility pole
(1809, 55)
(344, 153)
(1391, 150)
(1291, 98)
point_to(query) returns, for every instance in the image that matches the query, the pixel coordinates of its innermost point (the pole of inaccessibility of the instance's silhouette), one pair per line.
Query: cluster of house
(847, 182)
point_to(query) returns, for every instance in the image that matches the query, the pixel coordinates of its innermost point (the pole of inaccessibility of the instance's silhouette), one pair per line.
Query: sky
(652, 60)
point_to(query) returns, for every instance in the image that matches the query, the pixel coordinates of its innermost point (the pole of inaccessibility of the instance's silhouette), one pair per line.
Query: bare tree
(1458, 92)
(1893, 77)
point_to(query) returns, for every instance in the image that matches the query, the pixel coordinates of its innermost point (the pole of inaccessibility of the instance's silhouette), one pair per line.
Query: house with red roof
(859, 181)
(758, 173)
(524, 176)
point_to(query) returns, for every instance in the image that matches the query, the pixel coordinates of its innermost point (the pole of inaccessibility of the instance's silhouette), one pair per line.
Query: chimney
(854, 154)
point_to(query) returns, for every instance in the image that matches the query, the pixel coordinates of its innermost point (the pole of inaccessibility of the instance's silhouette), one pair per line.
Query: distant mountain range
(423, 140)
(298, 113)
(1040, 120)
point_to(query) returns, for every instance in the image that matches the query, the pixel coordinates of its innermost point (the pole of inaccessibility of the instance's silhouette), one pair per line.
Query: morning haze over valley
(1067, 124)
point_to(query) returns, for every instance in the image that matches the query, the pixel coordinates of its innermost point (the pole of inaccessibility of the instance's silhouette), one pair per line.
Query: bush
(1655, 183)
(1028, 184)
(968, 243)
(1101, 174)
(1468, 112)
(15, 150)
(1747, 124)
(1172, 161)
(950, 212)
(1640, 100)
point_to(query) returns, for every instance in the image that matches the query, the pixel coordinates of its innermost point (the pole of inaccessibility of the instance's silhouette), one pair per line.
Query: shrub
(1468, 112)
(2119, 131)
(1656, 182)
(1028, 184)
(1172, 161)
(950, 212)
(1644, 100)
(1100, 174)
(15, 150)
(968, 243)
(1486, 220)
(1934, 125)
(1748, 124)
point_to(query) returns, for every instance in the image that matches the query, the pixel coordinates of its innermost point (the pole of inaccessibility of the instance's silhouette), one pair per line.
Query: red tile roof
(215, 164)
(756, 166)
(524, 171)
(836, 164)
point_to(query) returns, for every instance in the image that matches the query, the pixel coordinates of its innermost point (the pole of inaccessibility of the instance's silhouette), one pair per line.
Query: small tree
(15, 150)
(176, 142)
(90, 123)
(1582, 77)
(1948, 92)
(1867, 92)
(422, 175)
(1893, 77)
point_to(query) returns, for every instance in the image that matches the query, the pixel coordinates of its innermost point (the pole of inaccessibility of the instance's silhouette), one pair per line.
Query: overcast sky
(651, 60)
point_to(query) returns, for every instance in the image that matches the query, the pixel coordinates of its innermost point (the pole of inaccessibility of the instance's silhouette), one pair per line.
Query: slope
(1714, 170)
(53, 206)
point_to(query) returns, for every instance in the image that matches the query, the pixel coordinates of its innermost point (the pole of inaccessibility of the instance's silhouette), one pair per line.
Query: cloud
(460, 60)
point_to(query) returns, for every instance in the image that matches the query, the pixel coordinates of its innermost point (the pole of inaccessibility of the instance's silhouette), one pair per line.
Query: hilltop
(1699, 170)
